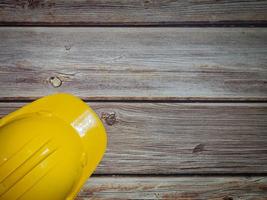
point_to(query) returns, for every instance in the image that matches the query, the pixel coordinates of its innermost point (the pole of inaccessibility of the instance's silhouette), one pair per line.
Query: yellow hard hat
(49, 148)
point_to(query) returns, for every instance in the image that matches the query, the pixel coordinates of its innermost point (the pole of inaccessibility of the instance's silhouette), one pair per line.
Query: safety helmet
(49, 148)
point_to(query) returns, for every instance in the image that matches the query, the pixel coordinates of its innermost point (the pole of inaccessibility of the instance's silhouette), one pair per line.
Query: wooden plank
(181, 188)
(134, 63)
(137, 12)
(181, 138)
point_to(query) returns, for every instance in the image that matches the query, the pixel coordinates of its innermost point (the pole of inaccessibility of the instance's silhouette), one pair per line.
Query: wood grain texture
(179, 188)
(181, 138)
(134, 63)
(133, 12)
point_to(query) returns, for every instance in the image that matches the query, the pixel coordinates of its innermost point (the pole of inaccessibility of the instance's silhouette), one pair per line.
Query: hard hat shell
(49, 148)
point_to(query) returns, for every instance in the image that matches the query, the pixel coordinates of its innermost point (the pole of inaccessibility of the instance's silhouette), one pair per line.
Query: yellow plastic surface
(49, 148)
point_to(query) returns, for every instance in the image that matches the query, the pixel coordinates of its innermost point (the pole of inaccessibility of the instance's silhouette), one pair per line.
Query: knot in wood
(228, 198)
(198, 148)
(55, 81)
(67, 47)
(147, 3)
(110, 118)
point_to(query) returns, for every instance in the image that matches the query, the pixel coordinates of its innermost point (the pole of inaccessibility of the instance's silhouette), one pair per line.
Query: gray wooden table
(181, 87)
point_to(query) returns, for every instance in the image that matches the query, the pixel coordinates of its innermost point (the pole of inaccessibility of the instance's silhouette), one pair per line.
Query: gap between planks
(134, 13)
(149, 100)
(185, 24)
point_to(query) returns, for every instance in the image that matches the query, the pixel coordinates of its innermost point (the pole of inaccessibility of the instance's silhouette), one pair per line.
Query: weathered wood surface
(134, 12)
(134, 63)
(181, 138)
(180, 188)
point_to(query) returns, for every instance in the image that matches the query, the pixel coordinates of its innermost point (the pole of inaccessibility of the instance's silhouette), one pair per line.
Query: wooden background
(181, 87)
